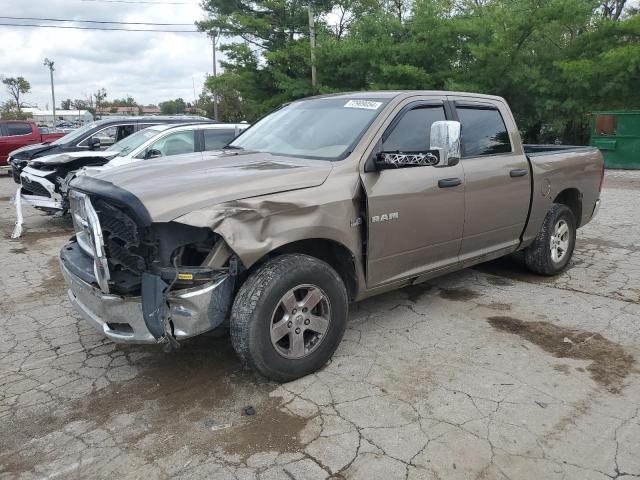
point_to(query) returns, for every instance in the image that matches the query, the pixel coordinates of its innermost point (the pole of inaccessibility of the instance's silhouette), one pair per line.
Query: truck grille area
(123, 250)
(122, 240)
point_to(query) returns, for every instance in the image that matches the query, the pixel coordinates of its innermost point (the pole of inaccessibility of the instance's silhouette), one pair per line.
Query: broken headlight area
(188, 276)
(174, 252)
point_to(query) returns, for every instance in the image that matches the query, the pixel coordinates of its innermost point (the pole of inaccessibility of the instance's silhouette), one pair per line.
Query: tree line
(554, 61)
(96, 102)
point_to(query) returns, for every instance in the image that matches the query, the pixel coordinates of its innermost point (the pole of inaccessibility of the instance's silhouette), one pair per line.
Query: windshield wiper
(232, 147)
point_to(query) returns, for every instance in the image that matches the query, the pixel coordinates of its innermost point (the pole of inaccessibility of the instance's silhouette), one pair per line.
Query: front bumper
(192, 311)
(31, 178)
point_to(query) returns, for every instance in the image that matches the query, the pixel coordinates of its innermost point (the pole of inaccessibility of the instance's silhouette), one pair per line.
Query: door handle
(518, 172)
(449, 182)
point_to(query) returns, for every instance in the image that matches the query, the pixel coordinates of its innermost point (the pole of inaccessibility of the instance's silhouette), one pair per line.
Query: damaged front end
(143, 282)
(45, 186)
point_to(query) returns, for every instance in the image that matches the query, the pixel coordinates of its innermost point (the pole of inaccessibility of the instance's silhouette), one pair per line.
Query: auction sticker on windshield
(368, 104)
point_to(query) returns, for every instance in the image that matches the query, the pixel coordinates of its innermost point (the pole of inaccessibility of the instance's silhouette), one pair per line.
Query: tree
(127, 101)
(9, 111)
(66, 104)
(79, 104)
(600, 70)
(273, 57)
(99, 96)
(553, 60)
(232, 107)
(17, 86)
(173, 107)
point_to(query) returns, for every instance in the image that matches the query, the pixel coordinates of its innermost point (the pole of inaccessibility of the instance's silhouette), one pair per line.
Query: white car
(45, 181)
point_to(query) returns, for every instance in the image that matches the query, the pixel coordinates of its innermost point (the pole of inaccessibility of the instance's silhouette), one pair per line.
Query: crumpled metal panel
(253, 227)
(154, 305)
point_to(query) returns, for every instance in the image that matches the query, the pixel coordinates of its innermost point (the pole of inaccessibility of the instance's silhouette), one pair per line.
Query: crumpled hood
(67, 157)
(171, 187)
(32, 151)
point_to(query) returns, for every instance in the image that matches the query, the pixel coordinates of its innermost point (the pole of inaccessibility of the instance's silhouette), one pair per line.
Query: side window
(483, 131)
(18, 128)
(175, 143)
(124, 131)
(107, 137)
(216, 138)
(411, 133)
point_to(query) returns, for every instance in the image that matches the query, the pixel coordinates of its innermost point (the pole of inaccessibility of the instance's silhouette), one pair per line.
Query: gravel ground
(486, 373)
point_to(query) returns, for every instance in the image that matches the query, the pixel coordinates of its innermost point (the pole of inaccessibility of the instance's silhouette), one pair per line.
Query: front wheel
(289, 317)
(552, 249)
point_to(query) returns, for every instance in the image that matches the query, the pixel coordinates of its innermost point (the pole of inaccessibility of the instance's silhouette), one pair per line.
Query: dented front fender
(256, 226)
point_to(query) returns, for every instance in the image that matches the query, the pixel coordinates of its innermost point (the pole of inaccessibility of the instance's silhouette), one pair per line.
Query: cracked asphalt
(486, 373)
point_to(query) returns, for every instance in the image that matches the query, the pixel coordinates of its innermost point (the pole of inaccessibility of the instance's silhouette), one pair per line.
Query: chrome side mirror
(445, 137)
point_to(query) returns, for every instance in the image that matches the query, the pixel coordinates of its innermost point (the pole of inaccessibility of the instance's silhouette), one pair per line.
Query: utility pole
(49, 63)
(312, 42)
(215, 94)
(193, 85)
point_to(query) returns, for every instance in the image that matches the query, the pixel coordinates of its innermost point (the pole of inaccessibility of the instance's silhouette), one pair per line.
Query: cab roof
(403, 93)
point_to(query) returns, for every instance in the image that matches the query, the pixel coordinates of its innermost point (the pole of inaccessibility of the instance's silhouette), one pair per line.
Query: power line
(96, 28)
(93, 21)
(143, 1)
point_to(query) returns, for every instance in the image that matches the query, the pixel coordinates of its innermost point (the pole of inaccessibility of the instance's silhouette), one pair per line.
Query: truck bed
(549, 149)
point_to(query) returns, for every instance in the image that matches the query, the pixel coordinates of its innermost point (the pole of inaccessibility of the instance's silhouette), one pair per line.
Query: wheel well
(572, 198)
(333, 253)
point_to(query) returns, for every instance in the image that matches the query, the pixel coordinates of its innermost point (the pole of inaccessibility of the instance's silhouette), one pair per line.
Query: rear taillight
(602, 178)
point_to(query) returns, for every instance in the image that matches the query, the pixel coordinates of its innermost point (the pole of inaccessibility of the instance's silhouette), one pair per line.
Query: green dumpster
(617, 135)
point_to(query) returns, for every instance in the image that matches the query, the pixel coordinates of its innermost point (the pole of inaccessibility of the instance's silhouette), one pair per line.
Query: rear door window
(18, 128)
(412, 132)
(483, 131)
(124, 131)
(216, 138)
(110, 135)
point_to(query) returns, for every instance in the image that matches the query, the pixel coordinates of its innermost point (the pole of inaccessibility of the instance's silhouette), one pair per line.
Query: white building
(71, 116)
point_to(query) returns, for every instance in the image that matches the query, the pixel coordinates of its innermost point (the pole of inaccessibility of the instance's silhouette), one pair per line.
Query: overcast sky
(151, 67)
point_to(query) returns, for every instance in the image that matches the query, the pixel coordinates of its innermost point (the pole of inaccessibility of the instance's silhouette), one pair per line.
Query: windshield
(132, 142)
(75, 134)
(323, 128)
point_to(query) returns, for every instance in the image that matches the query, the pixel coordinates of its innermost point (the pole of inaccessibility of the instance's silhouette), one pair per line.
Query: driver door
(415, 214)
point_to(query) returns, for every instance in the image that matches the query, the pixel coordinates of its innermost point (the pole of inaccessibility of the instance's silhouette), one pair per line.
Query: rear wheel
(552, 249)
(289, 316)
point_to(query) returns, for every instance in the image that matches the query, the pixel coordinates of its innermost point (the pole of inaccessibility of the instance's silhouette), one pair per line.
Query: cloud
(150, 67)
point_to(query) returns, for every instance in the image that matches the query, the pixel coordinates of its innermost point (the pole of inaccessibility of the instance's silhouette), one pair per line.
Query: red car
(19, 133)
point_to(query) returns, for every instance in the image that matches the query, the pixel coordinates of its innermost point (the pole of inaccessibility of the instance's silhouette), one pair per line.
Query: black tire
(259, 297)
(538, 256)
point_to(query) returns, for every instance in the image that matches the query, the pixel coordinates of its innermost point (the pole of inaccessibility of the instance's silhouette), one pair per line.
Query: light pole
(49, 63)
(312, 43)
(214, 34)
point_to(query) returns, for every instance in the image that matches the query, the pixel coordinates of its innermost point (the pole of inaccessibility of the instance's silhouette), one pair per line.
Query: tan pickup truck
(325, 201)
